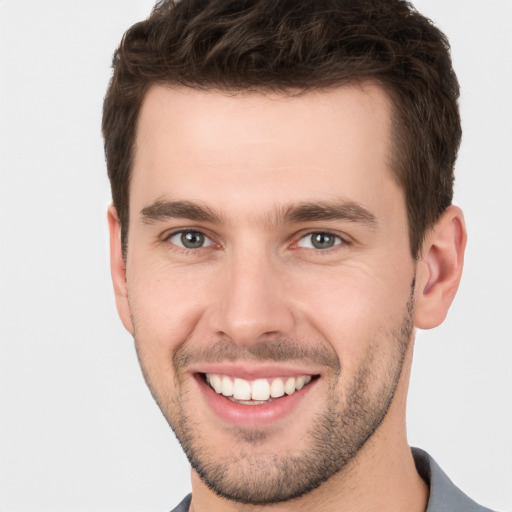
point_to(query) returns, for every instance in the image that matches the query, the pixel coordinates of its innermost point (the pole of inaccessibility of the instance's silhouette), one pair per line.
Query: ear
(118, 269)
(439, 269)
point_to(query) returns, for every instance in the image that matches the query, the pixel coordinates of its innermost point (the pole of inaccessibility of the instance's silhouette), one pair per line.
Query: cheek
(165, 304)
(354, 309)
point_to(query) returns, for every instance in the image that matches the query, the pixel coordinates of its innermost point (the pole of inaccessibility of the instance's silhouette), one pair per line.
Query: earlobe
(439, 269)
(118, 269)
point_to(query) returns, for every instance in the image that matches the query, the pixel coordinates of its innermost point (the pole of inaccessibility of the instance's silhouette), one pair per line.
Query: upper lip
(251, 371)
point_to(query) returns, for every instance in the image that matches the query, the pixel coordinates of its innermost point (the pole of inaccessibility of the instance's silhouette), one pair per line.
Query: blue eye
(190, 239)
(319, 240)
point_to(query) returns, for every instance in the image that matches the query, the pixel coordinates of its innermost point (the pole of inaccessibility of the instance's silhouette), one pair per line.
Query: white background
(78, 428)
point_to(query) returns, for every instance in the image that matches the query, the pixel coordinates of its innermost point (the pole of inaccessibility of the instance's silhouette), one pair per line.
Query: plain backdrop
(78, 428)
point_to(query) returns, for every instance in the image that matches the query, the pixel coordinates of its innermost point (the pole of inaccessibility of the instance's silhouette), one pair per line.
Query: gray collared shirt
(444, 495)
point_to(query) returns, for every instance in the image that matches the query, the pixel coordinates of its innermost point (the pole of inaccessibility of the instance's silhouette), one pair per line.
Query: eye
(319, 240)
(190, 239)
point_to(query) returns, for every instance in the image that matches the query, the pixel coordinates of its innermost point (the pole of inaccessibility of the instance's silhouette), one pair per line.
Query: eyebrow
(350, 211)
(340, 210)
(162, 210)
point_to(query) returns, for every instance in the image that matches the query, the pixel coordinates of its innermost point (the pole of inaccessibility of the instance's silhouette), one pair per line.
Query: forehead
(268, 148)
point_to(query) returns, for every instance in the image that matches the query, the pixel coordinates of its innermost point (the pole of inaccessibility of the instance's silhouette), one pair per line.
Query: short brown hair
(285, 45)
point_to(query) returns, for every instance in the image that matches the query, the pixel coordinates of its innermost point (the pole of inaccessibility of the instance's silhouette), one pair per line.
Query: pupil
(192, 239)
(322, 240)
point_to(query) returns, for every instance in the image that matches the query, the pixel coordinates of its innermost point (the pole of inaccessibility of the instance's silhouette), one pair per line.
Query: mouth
(259, 391)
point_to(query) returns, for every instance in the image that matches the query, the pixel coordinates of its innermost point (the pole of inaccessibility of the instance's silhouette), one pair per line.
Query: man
(282, 178)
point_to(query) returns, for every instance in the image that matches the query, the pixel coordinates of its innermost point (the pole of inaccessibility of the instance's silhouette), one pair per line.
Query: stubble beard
(247, 475)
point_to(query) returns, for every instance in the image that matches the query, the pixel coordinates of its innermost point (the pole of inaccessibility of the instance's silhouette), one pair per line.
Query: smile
(258, 391)
(255, 396)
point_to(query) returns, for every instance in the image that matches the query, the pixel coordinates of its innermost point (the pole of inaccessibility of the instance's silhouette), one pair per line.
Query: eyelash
(168, 236)
(341, 240)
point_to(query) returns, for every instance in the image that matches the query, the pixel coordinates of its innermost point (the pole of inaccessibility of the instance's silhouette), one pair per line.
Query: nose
(252, 301)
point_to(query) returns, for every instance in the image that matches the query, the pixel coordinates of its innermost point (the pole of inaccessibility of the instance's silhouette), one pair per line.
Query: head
(295, 47)
(282, 178)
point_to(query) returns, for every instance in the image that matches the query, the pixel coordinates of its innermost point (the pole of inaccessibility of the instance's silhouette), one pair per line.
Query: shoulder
(183, 506)
(445, 496)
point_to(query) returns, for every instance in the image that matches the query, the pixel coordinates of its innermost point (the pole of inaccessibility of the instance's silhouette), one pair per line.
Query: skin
(258, 282)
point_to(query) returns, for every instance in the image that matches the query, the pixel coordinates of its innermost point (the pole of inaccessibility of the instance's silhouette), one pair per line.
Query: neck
(384, 482)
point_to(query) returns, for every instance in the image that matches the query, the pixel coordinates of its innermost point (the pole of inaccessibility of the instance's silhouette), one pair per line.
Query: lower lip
(252, 415)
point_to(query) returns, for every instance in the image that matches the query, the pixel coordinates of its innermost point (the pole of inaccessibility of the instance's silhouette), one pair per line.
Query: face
(269, 281)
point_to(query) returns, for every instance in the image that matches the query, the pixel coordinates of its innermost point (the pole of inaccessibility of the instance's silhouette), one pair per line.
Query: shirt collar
(445, 496)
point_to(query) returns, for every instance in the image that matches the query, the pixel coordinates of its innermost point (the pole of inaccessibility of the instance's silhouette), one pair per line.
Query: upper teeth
(259, 389)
